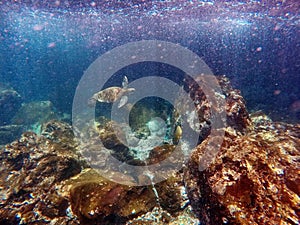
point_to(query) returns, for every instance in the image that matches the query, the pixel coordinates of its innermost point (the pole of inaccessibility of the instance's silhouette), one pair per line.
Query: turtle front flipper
(125, 82)
(123, 101)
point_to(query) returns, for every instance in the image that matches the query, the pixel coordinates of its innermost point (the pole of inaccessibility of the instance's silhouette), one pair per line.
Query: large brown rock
(97, 200)
(224, 102)
(30, 169)
(254, 179)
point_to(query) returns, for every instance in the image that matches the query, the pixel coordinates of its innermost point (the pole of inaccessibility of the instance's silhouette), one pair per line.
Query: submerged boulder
(253, 180)
(30, 169)
(10, 102)
(96, 200)
(10, 133)
(227, 102)
(33, 114)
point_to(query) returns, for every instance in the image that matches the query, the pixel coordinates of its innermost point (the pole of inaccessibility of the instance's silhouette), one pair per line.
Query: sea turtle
(112, 94)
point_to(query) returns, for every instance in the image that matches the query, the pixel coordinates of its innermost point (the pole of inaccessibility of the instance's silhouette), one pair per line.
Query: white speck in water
(259, 49)
(38, 27)
(51, 45)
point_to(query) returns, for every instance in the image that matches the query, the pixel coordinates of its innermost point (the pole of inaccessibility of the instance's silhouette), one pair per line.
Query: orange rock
(253, 180)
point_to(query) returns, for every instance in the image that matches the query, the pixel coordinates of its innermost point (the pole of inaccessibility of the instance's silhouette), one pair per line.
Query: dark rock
(160, 153)
(35, 113)
(113, 137)
(169, 192)
(10, 133)
(10, 102)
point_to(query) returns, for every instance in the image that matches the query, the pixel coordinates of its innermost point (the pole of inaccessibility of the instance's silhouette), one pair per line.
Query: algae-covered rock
(60, 133)
(113, 138)
(94, 198)
(253, 180)
(10, 102)
(30, 169)
(112, 135)
(158, 216)
(160, 153)
(42, 183)
(236, 111)
(35, 114)
(97, 200)
(10, 133)
(227, 101)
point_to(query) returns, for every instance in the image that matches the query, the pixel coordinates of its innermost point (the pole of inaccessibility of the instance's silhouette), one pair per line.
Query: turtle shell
(110, 94)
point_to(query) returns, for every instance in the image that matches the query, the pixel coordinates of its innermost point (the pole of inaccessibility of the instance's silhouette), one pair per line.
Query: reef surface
(253, 178)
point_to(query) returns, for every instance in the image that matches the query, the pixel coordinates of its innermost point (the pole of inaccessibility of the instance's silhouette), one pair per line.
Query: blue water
(47, 45)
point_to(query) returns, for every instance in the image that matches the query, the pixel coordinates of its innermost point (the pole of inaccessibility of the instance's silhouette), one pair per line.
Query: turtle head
(92, 102)
(130, 90)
